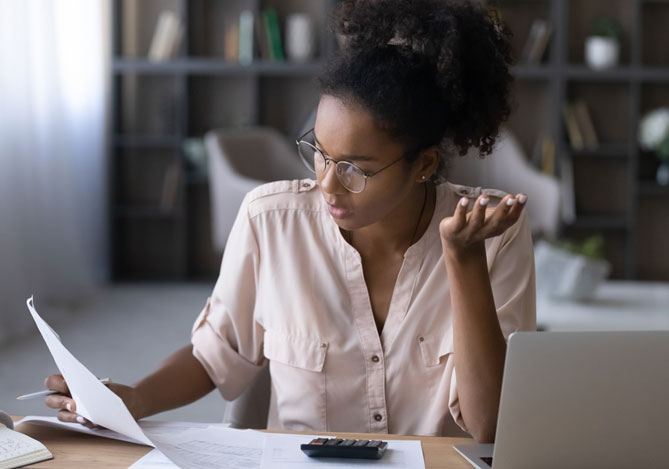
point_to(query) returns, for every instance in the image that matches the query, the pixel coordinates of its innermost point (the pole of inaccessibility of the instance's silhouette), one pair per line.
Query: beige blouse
(291, 293)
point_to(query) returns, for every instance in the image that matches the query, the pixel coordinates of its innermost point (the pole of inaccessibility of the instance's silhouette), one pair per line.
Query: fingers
(506, 213)
(56, 383)
(460, 215)
(478, 214)
(65, 416)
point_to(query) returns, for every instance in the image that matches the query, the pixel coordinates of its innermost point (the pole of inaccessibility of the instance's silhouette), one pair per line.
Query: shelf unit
(615, 193)
(157, 106)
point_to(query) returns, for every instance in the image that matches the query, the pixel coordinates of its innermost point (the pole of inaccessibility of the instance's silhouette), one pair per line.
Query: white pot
(601, 52)
(299, 37)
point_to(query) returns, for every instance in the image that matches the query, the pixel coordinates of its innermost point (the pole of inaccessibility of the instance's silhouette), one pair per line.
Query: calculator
(341, 448)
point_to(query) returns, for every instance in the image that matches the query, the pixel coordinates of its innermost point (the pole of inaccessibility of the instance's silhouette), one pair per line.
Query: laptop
(581, 400)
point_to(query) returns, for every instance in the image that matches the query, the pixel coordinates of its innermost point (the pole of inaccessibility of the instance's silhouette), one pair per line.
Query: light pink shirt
(291, 292)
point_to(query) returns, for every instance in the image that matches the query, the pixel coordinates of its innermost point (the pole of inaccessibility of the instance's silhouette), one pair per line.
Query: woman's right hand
(67, 408)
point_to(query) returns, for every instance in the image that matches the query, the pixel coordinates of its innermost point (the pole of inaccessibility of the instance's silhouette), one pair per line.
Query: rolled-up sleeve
(511, 271)
(227, 339)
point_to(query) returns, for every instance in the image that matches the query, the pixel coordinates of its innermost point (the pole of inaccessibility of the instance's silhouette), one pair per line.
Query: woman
(370, 289)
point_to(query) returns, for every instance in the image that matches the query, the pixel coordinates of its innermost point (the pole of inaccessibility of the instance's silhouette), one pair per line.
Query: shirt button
(378, 417)
(421, 339)
(375, 358)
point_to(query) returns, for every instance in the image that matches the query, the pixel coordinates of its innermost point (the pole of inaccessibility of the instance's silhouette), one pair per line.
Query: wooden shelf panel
(212, 66)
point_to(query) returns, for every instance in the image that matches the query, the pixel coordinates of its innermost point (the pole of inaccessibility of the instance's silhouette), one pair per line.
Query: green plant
(591, 247)
(606, 26)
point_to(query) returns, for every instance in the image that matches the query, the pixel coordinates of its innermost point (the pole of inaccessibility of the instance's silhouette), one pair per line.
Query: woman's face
(348, 132)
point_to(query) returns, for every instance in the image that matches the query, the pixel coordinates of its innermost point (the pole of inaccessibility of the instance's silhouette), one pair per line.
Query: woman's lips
(338, 212)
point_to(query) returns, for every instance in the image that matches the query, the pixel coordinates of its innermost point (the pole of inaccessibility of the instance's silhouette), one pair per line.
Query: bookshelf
(614, 189)
(159, 200)
(157, 106)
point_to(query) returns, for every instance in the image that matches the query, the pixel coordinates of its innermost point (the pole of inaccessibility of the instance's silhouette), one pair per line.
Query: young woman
(380, 296)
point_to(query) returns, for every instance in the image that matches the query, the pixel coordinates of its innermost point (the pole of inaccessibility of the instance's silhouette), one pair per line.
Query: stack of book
(579, 125)
(254, 36)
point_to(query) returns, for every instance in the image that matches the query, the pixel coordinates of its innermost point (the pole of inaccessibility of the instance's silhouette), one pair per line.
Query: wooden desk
(71, 449)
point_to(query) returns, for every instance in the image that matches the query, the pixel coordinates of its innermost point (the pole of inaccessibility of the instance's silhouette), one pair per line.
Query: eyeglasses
(351, 177)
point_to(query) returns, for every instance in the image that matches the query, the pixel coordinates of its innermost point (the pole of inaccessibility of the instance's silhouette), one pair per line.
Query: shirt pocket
(434, 351)
(298, 380)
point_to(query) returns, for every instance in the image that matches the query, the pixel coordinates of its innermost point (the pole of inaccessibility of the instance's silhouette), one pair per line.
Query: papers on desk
(191, 446)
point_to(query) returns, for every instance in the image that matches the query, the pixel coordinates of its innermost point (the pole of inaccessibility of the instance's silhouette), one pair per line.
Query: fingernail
(522, 198)
(69, 406)
(484, 201)
(464, 201)
(510, 202)
(80, 419)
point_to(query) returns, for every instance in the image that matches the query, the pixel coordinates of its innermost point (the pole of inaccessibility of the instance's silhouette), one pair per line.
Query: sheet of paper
(94, 401)
(154, 459)
(213, 447)
(283, 452)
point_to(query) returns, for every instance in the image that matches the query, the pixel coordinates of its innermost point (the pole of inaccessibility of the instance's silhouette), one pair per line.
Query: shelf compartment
(149, 248)
(219, 102)
(651, 188)
(146, 105)
(137, 24)
(609, 108)
(141, 177)
(654, 33)
(600, 187)
(203, 260)
(279, 107)
(581, 14)
(653, 232)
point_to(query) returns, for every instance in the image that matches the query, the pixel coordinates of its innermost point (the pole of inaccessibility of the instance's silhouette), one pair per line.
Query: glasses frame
(327, 158)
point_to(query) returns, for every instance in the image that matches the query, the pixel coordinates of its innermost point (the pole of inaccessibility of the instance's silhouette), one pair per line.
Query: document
(283, 452)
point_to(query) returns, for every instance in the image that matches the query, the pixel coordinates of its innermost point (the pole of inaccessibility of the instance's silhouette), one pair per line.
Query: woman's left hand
(465, 230)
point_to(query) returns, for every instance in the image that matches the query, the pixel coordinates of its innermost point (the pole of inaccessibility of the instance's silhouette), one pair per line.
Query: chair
(507, 169)
(240, 160)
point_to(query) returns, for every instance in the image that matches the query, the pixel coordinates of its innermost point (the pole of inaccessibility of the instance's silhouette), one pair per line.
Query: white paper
(189, 447)
(283, 452)
(154, 459)
(93, 399)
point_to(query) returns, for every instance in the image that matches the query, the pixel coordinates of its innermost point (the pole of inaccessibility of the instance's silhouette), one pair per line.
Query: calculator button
(333, 442)
(318, 441)
(373, 444)
(347, 443)
(361, 443)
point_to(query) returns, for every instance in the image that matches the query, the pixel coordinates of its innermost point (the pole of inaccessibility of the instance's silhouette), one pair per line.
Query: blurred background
(130, 130)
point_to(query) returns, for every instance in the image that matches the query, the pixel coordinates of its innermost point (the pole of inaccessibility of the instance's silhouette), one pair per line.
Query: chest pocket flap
(434, 347)
(301, 352)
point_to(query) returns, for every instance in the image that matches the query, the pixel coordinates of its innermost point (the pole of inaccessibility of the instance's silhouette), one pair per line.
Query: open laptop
(581, 399)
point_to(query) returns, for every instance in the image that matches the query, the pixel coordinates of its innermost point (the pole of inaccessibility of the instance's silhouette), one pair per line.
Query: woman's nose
(329, 181)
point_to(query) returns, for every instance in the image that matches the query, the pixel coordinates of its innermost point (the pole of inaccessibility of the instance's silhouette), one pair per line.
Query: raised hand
(464, 229)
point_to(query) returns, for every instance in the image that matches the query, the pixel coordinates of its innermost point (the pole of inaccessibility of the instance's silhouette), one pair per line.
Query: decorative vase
(662, 175)
(601, 52)
(299, 37)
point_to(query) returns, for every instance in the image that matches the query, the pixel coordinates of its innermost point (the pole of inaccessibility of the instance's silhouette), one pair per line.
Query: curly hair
(431, 72)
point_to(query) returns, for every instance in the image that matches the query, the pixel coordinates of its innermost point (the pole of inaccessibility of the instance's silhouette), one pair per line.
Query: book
(548, 155)
(537, 41)
(273, 34)
(231, 42)
(18, 450)
(168, 198)
(262, 40)
(166, 36)
(571, 124)
(585, 125)
(246, 37)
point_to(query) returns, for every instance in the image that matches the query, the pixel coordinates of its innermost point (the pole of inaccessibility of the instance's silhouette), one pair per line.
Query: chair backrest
(240, 160)
(507, 169)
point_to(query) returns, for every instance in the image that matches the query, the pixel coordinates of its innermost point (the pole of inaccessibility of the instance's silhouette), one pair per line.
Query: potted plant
(570, 270)
(602, 46)
(654, 137)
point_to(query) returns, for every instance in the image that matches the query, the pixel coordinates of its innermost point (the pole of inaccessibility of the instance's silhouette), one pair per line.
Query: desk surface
(71, 449)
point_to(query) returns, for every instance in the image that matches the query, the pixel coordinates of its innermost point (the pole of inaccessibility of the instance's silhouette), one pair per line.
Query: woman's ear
(427, 163)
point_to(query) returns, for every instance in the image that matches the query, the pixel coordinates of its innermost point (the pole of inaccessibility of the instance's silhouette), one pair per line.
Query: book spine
(273, 33)
(246, 37)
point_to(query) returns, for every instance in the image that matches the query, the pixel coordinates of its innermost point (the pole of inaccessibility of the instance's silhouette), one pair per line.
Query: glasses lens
(351, 177)
(311, 157)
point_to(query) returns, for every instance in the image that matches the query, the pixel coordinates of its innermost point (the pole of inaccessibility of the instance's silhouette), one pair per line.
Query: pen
(46, 392)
